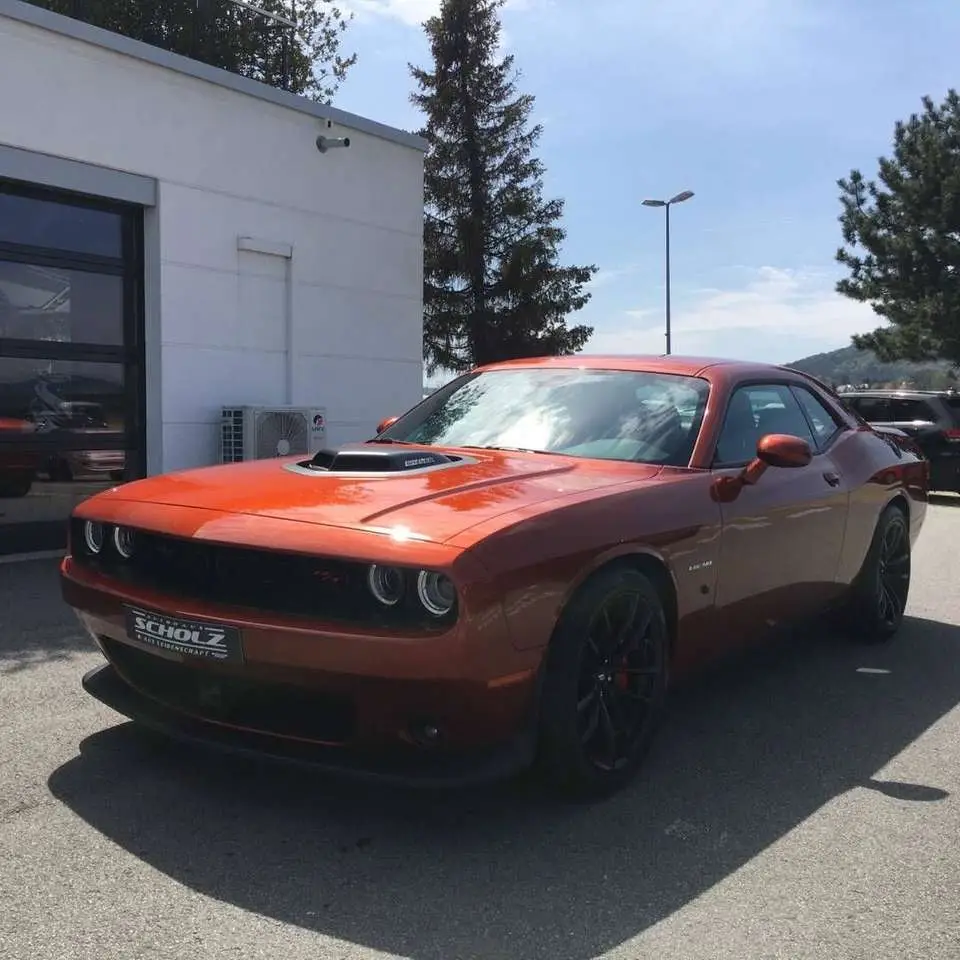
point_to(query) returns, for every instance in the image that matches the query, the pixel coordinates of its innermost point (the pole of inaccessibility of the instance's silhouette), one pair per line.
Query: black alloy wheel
(879, 595)
(893, 572)
(605, 683)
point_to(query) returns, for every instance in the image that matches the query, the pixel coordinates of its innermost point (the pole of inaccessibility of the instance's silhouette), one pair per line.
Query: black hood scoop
(376, 458)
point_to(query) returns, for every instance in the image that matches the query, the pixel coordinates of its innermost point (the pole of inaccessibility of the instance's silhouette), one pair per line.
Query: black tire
(587, 693)
(15, 489)
(60, 472)
(878, 596)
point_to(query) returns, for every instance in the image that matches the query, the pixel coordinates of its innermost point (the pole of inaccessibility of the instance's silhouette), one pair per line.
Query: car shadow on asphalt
(944, 499)
(748, 752)
(36, 627)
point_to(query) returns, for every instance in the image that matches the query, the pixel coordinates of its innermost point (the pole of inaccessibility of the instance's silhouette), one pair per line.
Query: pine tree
(902, 239)
(493, 289)
(227, 35)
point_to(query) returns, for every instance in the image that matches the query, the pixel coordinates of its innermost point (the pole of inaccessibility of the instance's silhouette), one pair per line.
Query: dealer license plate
(192, 638)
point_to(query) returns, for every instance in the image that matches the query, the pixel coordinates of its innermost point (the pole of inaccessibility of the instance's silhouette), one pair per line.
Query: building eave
(79, 30)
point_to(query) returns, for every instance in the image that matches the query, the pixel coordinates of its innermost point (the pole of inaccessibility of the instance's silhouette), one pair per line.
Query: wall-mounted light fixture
(329, 143)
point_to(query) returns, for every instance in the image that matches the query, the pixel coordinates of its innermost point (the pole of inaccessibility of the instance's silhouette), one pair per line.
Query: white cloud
(414, 12)
(411, 12)
(606, 276)
(782, 312)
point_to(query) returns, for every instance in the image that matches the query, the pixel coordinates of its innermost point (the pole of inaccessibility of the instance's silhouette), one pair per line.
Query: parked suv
(930, 417)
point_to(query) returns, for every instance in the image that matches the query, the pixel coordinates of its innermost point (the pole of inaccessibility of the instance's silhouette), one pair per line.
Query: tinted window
(872, 409)
(54, 303)
(823, 421)
(953, 405)
(64, 393)
(905, 410)
(753, 412)
(605, 414)
(63, 435)
(59, 226)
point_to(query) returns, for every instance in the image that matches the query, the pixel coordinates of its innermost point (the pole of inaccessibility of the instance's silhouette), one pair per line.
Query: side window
(825, 425)
(753, 412)
(872, 409)
(905, 410)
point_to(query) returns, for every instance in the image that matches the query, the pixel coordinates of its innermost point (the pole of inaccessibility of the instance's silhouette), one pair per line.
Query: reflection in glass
(26, 221)
(65, 306)
(640, 417)
(63, 436)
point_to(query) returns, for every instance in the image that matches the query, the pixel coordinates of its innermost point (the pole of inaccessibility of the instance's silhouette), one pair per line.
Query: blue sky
(756, 105)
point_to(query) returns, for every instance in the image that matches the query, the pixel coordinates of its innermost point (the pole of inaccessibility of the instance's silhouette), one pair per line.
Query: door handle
(832, 478)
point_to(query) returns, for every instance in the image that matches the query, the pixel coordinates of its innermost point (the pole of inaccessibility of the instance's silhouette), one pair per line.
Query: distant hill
(850, 366)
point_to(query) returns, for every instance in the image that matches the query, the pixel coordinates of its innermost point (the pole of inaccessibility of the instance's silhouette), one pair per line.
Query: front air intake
(376, 458)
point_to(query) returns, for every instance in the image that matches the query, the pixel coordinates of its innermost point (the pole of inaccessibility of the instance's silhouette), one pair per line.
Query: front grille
(255, 579)
(272, 708)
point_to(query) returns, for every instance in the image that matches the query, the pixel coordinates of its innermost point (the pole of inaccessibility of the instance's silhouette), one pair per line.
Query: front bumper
(412, 769)
(448, 702)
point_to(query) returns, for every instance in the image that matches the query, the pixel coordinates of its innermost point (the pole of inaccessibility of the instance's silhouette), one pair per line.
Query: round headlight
(386, 584)
(123, 540)
(93, 536)
(437, 592)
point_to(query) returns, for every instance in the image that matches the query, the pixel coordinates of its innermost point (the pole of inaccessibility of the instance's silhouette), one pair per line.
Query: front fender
(537, 564)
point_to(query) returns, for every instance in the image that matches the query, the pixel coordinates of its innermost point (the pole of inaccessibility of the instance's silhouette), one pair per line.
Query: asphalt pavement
(803, 803)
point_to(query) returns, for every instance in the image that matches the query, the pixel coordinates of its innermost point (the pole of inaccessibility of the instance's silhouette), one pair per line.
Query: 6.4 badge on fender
(209, 641)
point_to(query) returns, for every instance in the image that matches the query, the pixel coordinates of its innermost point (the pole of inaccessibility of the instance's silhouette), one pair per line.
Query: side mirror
(783, 450)
(773, 450)
(386, 424)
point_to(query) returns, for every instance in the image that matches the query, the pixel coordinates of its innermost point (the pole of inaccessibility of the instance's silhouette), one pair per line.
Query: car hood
(435, 504)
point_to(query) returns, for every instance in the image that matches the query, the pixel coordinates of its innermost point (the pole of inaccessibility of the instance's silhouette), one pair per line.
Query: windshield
(605, 414)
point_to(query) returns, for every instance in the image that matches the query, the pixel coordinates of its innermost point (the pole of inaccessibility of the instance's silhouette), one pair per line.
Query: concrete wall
(274, 273)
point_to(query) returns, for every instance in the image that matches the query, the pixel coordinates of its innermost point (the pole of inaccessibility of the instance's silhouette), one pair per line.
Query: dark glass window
(65, 433)
(59, 304)
(825, 425)
(755, 411)
(906, 410)
(71, 367)
(953, 405)
(30, 222)
(64, 392)
(872, 409)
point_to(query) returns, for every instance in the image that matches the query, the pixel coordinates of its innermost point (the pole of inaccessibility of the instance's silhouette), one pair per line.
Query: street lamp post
(666, 204)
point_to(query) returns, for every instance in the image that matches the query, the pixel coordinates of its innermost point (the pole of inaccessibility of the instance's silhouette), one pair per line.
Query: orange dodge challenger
(514, 571)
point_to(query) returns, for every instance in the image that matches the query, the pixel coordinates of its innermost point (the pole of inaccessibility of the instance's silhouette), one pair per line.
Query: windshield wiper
(475, 446)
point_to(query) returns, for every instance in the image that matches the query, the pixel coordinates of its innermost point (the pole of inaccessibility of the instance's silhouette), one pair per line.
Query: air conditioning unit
(259, 433)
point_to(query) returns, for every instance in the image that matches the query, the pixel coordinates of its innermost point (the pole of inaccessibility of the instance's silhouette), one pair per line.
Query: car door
(782, 537)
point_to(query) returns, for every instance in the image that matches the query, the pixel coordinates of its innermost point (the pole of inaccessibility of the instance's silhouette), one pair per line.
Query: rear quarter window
(953, 405)
(872, 409)
(908, 410)
(825, 424)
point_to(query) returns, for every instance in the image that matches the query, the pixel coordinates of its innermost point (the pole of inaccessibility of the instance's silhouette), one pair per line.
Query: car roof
(898, 392)
(674, 363)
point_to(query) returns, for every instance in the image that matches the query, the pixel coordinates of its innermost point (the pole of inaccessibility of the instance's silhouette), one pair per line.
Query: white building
(172, 241)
